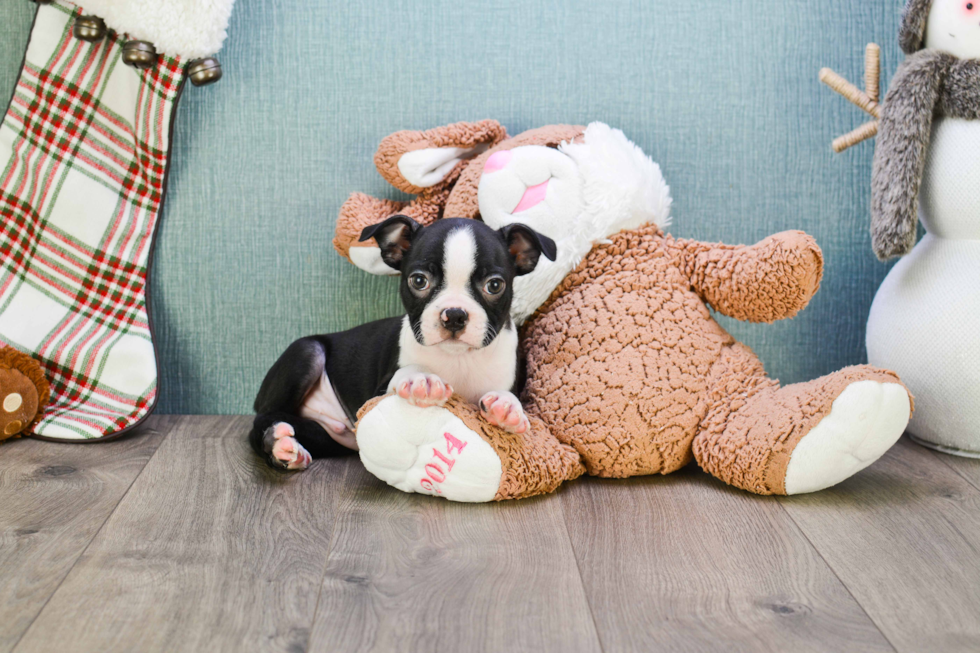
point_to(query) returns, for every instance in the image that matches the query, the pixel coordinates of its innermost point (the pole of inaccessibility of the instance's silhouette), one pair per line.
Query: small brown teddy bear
(627, 372)
(24, 393)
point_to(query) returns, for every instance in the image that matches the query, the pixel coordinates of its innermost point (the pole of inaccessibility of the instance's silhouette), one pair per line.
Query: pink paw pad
(288, 450)
(282, 430)
(505, 411)
(425, 390)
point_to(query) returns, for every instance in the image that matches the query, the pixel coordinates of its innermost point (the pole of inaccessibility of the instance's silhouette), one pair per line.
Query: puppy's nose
(454, 319)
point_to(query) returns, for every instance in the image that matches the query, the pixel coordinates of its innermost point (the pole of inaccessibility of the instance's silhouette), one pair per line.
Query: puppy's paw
(287, 452)
(504, 410)
(424, 390)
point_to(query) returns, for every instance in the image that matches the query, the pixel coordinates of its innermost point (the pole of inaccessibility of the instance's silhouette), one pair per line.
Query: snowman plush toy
(925, 320)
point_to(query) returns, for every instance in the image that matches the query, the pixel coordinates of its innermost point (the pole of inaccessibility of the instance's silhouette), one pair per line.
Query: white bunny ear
(184, 28)
(428, 167)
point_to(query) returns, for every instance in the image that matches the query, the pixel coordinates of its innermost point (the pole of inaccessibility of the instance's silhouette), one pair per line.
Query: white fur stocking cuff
(185, 28)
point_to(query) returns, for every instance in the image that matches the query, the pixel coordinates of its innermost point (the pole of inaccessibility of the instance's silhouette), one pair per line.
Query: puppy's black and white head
(457, 275)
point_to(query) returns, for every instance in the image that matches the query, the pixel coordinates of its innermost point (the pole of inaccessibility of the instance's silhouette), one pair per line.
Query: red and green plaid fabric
(83, 163)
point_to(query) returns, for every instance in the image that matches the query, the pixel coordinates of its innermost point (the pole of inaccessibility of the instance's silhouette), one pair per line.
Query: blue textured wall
(722, 93)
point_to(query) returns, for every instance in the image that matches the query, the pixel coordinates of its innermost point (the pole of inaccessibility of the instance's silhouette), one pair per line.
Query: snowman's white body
(925, 320)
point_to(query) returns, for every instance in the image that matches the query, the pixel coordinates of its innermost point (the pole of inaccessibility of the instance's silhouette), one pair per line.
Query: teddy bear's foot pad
(427, 450)
(866, 419)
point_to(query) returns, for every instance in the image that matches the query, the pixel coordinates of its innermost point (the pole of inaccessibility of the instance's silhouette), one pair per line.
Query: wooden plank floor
(179, 539)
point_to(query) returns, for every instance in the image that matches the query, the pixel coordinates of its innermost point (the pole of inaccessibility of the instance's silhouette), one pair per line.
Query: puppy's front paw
(424, 390)
(287, 451)
(504, 410)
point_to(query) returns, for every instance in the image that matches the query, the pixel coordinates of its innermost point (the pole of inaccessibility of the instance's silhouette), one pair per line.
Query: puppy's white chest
(472, 373)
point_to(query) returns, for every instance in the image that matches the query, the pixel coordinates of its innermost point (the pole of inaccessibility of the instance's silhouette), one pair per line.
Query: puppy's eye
(419, 282)
(494, 286)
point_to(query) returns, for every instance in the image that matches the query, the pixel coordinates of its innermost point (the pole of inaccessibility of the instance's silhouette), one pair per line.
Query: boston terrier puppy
(457, 336)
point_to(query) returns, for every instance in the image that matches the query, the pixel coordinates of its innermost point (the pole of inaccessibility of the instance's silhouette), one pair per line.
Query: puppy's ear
(526, 246)
(394, 237)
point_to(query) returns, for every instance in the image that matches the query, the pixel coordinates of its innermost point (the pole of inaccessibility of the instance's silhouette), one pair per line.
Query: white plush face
(578, 195)
(534, 185)
(954, 27)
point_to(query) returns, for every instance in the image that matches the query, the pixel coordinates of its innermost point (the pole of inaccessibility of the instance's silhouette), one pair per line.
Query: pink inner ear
(497, 161)
(533, 196)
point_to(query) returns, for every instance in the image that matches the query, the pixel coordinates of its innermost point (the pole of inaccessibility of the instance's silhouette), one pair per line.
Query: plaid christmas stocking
(84, 152)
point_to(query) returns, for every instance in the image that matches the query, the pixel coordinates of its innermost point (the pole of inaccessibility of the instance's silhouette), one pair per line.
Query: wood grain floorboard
(414, 573)
(210, 550)
(968, 468)
(904, 537)
(53, 500)
(685, 563)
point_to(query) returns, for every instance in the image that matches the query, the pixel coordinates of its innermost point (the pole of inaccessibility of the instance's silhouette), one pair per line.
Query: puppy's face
(457, 275)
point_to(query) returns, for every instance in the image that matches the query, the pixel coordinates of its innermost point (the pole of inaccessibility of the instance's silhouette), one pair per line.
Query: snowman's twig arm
(852, 93)
(872, 71)
(859, 135)
(903, 139)
(868, 99)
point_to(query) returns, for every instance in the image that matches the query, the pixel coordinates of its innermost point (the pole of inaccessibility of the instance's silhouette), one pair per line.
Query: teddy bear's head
(576, 185)
(952, 26)
(24, 392)
(578, 193)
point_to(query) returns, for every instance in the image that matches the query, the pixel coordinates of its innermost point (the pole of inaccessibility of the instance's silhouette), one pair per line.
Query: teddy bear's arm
(771, 280)
(900, 153)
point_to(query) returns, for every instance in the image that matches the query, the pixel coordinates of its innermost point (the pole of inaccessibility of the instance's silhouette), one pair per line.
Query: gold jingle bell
(204, 71)
(139, 54)
(89, 28)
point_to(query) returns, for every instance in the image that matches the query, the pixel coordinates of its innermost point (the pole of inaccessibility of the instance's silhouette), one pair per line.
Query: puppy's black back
(359, 362)
(370, 351)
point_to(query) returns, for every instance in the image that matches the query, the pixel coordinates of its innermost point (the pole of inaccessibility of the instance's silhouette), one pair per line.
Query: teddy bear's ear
(912, 33)
(413, 161)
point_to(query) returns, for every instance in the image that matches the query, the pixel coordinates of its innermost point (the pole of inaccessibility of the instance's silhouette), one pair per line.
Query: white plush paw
(287, 450)
(503, 409)
(429, 451)
(424, 390)
(864, 422)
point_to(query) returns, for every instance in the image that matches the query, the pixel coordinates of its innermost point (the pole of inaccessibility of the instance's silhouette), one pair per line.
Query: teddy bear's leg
(800, 438)
(452, 452)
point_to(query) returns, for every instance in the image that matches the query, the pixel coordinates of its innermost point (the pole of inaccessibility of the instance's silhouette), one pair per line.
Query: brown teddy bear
(24, 393)
(627, 372)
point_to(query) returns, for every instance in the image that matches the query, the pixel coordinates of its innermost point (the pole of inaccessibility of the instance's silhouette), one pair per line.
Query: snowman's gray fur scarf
(912, 32)
(928, 84)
